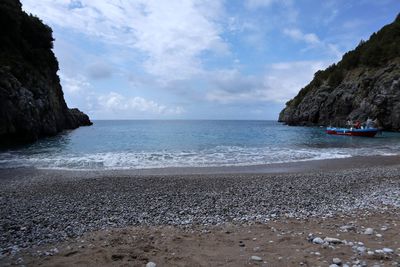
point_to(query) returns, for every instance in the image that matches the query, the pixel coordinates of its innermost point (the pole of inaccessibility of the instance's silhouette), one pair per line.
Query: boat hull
(352, 132)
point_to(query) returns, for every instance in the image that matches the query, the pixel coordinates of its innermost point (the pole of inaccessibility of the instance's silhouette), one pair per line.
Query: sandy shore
(207, 217)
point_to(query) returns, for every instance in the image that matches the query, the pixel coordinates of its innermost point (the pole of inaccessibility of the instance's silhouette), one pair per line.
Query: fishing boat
(367, 132)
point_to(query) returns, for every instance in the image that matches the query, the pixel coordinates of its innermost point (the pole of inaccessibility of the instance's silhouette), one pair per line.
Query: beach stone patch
(44, 209)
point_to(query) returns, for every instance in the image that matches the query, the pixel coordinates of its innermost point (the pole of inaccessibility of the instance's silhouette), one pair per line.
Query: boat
(366, 132)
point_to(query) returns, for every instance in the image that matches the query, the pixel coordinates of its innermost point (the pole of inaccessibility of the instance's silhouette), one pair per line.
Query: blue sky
(191, 59)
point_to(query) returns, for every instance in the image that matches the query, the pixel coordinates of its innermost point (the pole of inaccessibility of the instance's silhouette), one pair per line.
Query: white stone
(378, 235)
(318, 240)
(368, 231)
(371, 253)
(255, 258)
(337, 261)
(333, 265)
(387, 250)
(151, 264)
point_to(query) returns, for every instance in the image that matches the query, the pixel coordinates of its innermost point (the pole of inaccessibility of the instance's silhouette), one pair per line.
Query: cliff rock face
(31, 99)
(365, 83)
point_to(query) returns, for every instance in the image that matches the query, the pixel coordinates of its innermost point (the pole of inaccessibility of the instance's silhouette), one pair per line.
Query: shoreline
(303, 166)
(47, 209)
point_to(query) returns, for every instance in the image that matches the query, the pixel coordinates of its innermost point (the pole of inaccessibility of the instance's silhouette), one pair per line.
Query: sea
(143, 144)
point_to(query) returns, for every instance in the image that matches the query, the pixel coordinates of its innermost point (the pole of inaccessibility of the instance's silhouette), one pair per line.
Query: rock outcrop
(365, 83)
(31, 99)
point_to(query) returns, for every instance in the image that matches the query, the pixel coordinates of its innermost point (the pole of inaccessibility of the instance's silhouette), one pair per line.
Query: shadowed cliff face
(31, 99)
(365, 83)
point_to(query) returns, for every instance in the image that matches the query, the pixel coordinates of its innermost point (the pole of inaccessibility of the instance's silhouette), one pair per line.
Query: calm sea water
(153, 144)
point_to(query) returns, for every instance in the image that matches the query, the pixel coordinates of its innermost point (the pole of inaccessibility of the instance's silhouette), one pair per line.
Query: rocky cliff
(31, 99)
(365, 83)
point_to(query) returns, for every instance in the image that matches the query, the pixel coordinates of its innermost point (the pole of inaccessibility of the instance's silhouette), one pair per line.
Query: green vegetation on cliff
(25, 41)
(381, 47)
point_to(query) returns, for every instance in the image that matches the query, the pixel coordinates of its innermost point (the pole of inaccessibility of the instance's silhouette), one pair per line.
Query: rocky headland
(365, 83)
(32, 104)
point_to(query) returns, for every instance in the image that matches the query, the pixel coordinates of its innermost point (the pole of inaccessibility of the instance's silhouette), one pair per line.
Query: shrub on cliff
(381, 47)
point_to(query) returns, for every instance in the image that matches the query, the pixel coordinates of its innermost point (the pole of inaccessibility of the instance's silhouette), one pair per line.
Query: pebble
(255, 258)
(333, 265)
(337, 261)
(387, 250)
(131, 196)
(151, 264)
(368, 231)
(318, 240)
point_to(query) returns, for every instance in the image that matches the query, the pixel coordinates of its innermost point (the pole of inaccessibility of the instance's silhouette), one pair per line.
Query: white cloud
(171, 34)
(313, 41)
(73, 84)
(114, 102)
(280, 82)
(298, 35)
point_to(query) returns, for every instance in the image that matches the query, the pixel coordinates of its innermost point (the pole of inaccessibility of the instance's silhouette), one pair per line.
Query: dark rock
(32, 104)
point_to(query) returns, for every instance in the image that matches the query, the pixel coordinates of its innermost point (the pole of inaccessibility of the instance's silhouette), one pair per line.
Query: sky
(199, 59)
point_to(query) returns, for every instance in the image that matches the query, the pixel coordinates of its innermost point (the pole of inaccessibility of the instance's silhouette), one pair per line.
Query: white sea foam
(217, 156)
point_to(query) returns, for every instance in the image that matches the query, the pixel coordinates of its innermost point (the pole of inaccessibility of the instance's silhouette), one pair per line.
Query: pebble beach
(46, 214)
